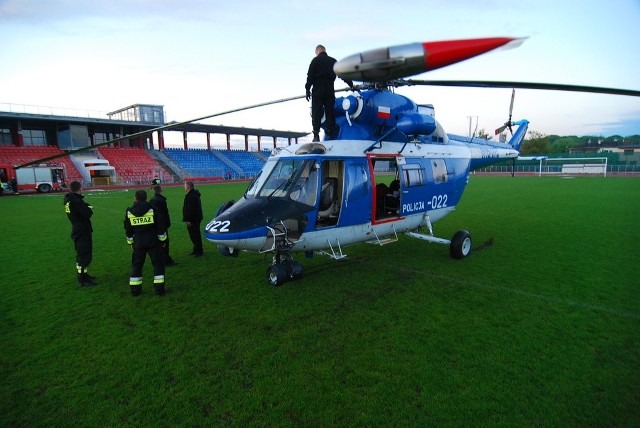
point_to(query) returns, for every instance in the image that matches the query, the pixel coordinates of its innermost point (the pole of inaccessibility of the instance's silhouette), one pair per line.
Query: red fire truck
(44, 178)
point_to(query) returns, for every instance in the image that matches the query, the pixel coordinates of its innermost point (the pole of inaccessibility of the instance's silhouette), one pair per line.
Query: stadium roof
(220, 129)
(29, 120)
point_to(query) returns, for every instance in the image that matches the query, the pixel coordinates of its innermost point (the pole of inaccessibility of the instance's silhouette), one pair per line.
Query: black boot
(160, 290)
(136, 290)
(85, 280)
(316, 137)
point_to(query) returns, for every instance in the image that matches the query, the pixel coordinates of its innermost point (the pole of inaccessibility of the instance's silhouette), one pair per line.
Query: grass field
(540, 326)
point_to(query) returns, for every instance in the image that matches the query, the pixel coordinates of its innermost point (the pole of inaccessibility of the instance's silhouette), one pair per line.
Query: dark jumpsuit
(145, 231)
(321, 77)
(192, 213)
(159, 202)
(79, 213)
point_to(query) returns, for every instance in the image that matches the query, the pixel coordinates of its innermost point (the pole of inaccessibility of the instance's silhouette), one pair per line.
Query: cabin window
(413, 174)
(439, 168)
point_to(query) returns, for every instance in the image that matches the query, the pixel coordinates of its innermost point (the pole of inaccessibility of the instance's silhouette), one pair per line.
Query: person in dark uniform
(146, 233)
(159, 204)
(319, 88)
(79, 213)
(192, 215)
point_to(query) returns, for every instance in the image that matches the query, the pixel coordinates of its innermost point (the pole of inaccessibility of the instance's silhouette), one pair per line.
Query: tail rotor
(508, 123)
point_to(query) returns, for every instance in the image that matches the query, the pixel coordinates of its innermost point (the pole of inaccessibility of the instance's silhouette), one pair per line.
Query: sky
(203, 57)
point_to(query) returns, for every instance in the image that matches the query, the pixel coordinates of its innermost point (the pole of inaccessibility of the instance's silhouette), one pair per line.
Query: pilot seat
(328, 208)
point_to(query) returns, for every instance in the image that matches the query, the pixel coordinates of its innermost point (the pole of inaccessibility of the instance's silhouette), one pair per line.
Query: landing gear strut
(459, 246)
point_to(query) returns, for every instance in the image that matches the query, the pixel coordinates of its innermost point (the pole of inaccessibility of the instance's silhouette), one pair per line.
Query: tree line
(537, 143)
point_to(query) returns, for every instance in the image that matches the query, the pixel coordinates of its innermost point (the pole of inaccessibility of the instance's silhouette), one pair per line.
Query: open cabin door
(387, 191)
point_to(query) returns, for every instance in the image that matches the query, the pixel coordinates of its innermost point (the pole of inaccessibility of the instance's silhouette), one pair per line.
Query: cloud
(624, 127)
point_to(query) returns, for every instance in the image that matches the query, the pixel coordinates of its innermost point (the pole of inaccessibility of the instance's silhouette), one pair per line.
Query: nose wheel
(283, 269)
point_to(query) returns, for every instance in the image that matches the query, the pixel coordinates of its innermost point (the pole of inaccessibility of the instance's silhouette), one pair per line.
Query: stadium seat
(132, 165)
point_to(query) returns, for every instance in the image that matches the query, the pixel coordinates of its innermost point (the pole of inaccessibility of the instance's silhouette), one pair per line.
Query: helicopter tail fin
(518, 136)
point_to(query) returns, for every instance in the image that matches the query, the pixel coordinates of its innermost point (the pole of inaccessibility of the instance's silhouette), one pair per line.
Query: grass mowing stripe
(583, 305)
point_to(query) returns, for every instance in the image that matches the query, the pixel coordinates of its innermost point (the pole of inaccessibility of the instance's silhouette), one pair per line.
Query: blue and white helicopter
(321, 197)
(324, 196)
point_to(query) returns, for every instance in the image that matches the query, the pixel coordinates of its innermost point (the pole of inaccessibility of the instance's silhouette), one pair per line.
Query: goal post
(574, 166)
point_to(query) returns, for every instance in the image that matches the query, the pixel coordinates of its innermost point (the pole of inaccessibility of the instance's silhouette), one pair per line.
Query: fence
(557, 169)
(204, 173)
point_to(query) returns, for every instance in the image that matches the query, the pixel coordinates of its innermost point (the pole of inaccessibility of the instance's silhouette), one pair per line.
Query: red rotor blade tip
(441, 54)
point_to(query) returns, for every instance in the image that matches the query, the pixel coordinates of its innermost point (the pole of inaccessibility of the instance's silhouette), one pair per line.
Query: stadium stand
(132, 165)
(135, 165)
(14, 156)
(248, 162)
(217, 164)
(198, 163)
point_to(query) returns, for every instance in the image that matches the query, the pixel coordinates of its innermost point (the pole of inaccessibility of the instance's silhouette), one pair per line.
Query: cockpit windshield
(288, 178)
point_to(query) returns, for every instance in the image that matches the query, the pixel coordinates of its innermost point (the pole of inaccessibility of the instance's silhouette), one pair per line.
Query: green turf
(540, 326)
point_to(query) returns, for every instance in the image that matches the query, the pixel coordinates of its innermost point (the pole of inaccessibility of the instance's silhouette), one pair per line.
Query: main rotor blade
(525, 85)
(384, 64)
(160, 128)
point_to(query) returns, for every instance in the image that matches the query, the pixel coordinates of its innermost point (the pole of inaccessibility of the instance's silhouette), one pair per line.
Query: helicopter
(323, 196)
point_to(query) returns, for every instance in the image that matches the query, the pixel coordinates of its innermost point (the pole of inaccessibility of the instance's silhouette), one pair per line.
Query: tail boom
(486, 152)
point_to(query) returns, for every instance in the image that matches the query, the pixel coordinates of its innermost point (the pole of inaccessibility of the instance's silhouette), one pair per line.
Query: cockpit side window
(305, 188)
(258, 182)
(293, 178)
(279, 179)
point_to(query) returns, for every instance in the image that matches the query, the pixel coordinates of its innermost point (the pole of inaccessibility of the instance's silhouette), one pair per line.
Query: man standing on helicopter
(320, 77)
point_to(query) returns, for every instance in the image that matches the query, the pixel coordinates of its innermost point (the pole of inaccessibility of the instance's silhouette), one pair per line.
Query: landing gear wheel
(460, 244)
(277, 274)
(295, 271)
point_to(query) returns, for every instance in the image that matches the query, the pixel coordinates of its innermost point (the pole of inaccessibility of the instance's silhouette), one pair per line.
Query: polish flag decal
(384, 112)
